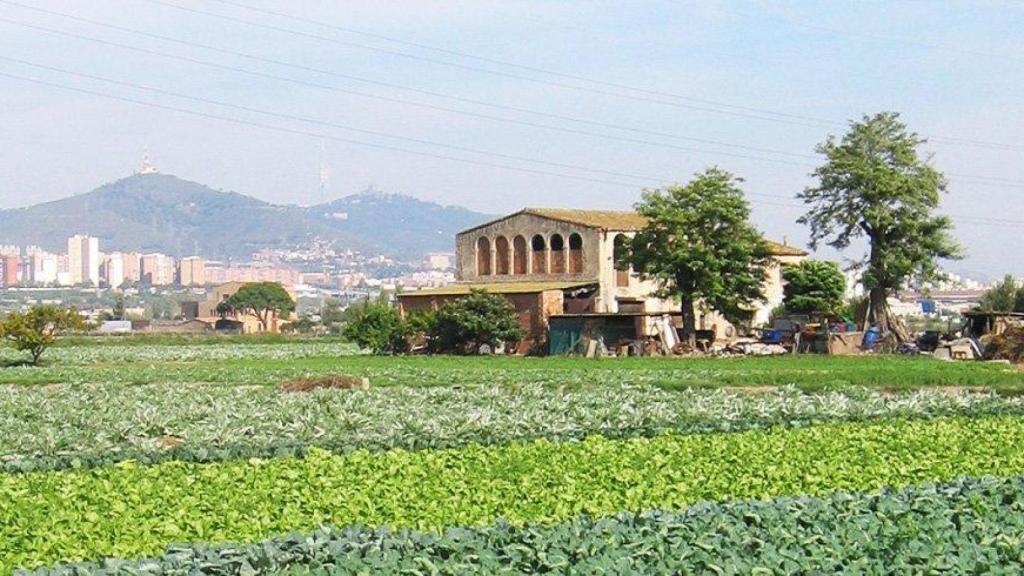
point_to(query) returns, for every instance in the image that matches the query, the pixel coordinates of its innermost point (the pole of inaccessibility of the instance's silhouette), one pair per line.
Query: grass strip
(51, 428)
(971, 526)
(133, 511)
(268, 364)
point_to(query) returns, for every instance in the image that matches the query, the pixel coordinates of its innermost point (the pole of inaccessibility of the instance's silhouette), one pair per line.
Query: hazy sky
(619, 96)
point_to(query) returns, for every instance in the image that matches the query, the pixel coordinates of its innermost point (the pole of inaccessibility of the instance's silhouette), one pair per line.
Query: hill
(404, 224)
(163, 213)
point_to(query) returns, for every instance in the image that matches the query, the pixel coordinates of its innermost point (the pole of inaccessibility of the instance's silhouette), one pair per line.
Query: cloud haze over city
(500, 105)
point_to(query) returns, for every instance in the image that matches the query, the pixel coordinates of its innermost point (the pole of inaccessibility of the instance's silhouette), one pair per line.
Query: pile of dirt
(309, 384)
(1006, 346)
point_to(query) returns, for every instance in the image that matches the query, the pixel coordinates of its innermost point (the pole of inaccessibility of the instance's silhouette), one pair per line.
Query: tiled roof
(776, 249)
(625, 220)
(618, 220)
(463, 288)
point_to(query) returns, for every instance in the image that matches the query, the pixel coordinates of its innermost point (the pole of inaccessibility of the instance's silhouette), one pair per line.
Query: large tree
(874, 186)
(37, 329)
(263, 300)
(700, 246)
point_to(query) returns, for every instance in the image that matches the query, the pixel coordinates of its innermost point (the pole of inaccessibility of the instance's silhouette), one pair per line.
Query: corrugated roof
(497, 288)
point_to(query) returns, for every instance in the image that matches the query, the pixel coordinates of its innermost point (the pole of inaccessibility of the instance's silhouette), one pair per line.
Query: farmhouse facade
(552, 262)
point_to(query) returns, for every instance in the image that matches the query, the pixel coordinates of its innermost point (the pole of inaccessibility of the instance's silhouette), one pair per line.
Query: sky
(499, 105)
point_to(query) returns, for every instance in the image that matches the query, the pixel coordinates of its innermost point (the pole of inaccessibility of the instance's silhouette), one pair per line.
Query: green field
(181, 455)
(255, 361)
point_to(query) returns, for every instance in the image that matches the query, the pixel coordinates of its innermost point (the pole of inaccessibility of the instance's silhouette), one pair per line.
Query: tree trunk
(879, 315)
(878, 308)
(689, 335)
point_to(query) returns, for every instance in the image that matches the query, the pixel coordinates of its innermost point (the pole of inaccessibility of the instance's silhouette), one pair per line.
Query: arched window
(483, 256)
(539, 257)
(575, 254)
(502, 257)
(519, 255)
(618, 253)
(557, 254)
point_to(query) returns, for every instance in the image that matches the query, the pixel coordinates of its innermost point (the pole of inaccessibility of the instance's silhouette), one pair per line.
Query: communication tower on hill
(147, 166)
(323, 173)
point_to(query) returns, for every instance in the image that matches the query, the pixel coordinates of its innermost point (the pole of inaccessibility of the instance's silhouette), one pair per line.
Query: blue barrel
(871, 338)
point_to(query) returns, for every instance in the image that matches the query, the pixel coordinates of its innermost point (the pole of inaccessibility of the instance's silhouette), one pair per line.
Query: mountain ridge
(165, 213)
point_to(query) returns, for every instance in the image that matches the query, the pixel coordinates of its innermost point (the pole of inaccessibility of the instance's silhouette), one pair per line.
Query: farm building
(552, 262)
(242, 322)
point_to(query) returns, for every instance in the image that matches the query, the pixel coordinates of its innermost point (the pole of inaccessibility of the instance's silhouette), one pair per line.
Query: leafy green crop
(130, 511)
(971, 526)
(83, 426)
(245, 363)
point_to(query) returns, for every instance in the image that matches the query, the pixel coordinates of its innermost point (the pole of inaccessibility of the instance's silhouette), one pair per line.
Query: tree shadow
(8, 363)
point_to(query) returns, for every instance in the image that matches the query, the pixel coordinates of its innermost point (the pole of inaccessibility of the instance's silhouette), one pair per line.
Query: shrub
(469, 323)
(36, 330)
(378, 327)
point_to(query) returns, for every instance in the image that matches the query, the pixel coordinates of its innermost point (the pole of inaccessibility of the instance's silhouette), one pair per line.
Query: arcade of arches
(554, 254)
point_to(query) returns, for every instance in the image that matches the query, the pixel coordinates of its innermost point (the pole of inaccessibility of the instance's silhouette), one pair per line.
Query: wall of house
(773, 287)
(492, 262)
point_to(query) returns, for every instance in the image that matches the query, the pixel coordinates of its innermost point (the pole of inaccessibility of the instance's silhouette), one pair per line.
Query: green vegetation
(37, 329)
(264, 300)
(965, 527)
(1006, 296)
(130, 511)
(813, 286)
(700, 246)
(378, 327)
(467, 324)
(235, 364)
(873, 185)
(71, 426)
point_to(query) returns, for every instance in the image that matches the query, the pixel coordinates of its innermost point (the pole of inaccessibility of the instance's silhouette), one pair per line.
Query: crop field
(182, 457)
(178, 361)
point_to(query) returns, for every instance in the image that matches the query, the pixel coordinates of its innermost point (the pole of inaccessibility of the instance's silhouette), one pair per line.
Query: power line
(311, 134)
(406, 55)
(986, 180)
(489, 60)
(329, 124)
(967, 219)
(781, 115)
(420, 104)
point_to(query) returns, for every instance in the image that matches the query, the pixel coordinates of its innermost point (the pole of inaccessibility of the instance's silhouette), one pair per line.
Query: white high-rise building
(113, 269)
(42, 267)
(83, 260)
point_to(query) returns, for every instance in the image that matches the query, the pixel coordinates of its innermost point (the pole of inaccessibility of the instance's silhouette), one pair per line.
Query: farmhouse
(565, 263)
(232, 321)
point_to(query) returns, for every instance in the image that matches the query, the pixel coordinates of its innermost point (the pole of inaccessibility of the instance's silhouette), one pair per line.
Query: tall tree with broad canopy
(37, 329)
(700, 246)
(873, 185)
(263, 300)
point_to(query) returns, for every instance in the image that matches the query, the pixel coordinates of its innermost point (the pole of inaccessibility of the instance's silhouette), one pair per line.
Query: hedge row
(973, 526)
(50, 428)
(132, 511)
